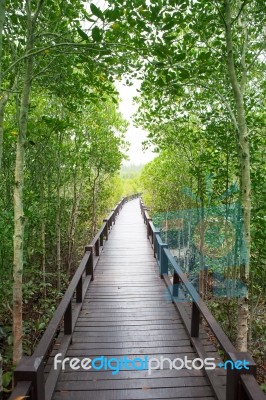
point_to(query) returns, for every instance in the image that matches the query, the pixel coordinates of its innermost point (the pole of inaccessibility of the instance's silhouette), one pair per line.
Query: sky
(135, 136)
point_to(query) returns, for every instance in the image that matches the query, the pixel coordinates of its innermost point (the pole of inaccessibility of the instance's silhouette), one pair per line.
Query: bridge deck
(126, 313)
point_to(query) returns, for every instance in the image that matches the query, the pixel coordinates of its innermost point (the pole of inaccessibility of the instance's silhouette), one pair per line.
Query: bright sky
(135, 136)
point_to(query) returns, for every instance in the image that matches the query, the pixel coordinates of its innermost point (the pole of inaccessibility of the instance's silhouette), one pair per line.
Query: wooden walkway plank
(126, 313)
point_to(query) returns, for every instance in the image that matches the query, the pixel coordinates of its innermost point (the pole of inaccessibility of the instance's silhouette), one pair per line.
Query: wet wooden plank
(138, 394)
(105, 375)
(123, 384)
(126, 313)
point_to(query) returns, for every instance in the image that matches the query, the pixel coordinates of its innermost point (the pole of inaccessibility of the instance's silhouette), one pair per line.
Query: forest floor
(256, 342)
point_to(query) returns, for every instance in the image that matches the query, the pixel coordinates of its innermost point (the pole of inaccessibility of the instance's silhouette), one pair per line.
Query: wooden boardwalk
(126, 313)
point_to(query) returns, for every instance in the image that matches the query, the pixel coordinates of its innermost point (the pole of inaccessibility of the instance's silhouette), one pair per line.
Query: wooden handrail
(29, 374)
(251, 387)
(21, 387)
(47, 338)
(240, 384)
(201, 306)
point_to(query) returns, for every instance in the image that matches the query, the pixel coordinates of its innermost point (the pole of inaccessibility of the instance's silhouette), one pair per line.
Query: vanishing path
(126, 312)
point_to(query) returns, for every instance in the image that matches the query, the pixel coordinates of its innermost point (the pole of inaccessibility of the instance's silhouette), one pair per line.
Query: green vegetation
(130, 179)
(62, 141)
(61, 147)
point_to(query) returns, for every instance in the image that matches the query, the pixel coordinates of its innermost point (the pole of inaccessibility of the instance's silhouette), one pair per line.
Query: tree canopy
(62, 139)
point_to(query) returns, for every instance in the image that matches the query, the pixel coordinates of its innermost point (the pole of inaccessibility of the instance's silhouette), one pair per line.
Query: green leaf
(112, 15)
(184, 74)
(41, 326)
(96, 34)
(160, 82)
(263, 387)
(114, 100)
(169, 25)
(83, 35)
(204, 55)
(180, 56)
(96, 11)
(6, 379)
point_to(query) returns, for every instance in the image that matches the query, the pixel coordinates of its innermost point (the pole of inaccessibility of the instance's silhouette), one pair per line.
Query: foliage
(73, 139)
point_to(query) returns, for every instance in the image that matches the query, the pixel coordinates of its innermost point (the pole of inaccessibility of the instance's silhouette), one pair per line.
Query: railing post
(233, 383)
(176, 284)
(148, 228)
(106, 228)
(152, 238)
(101, 239)
(32, 369)
(89, 267)
(68, 320)
(97, 248)
(79, 291)
(144, 215)
(155, 243)
(195, 320)
(163, 260)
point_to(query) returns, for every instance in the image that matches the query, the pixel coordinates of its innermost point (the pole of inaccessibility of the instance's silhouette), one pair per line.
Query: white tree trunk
(238, 93)
(3, 102)
(18, 197)
(19, 215)
(73, 223)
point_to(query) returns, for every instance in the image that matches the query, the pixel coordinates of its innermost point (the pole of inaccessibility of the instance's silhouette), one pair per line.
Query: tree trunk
(2, 99)
(43, 256)
(19, 213)
(73, 223)
(94, 211)
(43, 227)
(58, 216)
(3, 102)
(94, 203)
(238, 93)
(1, 374)
(2, 22)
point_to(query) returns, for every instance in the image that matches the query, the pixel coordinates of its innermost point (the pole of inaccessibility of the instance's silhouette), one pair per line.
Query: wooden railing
(240, 383)
(29, 377)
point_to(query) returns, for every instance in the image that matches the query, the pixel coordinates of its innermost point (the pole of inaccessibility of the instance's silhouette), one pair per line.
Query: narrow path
(126, 313)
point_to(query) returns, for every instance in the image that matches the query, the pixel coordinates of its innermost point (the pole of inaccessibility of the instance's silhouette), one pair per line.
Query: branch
(222, 97)
(240, 11)
(256, 56)
(10, 40)
(232, 115)
(12, 87)
(220, 13)
(37, 12)
(243, 58)
(91, 46)
(43, 69)
(39, 51)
